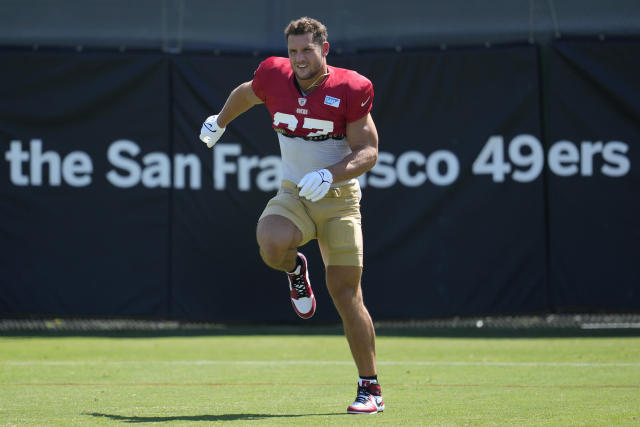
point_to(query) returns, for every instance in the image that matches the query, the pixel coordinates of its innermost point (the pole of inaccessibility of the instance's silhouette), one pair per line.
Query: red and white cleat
(368, 401)
(302, 298)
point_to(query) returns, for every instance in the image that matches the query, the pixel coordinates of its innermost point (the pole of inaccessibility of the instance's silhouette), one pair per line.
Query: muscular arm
(363, 140)
(240, 100)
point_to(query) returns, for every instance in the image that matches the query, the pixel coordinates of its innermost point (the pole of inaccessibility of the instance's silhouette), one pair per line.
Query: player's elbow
(371, 157)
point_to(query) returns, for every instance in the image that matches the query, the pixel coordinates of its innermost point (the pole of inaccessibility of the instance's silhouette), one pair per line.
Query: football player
(327, 139)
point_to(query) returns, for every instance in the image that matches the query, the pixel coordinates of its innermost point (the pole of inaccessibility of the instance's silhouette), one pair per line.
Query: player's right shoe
(368, 400)
(302, 299)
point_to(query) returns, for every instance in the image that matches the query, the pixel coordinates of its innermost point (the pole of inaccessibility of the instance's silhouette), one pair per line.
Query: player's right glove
(211, 132)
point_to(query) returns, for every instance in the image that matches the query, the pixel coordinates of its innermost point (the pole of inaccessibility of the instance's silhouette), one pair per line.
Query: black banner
(79, 232)
(593, 107)
(504, 185)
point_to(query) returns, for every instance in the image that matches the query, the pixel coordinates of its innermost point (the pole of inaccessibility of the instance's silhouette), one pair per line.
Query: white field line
(635, 325)
(311, 362)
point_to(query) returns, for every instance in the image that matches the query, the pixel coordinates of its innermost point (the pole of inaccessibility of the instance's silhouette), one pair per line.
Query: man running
(327, 139)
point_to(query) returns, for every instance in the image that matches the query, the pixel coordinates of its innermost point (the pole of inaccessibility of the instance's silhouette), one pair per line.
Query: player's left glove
(315, 185)
(211, 132)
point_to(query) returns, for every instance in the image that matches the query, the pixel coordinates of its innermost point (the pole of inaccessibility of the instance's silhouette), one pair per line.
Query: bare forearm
(355, 164)
(240, 100)
(363, 140)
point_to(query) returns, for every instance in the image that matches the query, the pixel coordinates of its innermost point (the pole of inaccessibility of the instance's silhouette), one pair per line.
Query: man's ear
(325, 48)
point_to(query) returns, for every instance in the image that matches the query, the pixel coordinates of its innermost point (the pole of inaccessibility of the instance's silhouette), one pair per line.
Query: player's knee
(273, 250)
(272, 255)
(275, 247)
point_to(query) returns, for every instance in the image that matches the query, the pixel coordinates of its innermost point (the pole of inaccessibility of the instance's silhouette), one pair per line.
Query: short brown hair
(306, 25)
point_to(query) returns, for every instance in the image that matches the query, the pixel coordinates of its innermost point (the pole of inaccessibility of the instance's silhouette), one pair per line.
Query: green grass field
(306, 377)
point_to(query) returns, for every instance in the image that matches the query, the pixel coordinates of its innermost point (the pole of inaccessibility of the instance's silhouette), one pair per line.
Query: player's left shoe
(368, 400)
(302, 298)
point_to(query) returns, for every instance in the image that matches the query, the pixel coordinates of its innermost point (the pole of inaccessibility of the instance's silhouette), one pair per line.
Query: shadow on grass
(221, 417)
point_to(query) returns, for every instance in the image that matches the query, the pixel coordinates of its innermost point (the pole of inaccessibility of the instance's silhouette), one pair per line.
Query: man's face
(307, 60)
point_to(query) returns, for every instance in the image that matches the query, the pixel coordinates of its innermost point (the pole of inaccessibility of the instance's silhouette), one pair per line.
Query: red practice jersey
(344, 96)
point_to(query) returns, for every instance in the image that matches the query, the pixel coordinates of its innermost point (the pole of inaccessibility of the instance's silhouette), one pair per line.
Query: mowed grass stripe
(314, 362)
(205, 384)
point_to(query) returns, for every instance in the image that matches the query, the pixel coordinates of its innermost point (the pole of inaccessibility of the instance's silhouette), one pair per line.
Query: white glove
(314, 185)
(211, 132)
